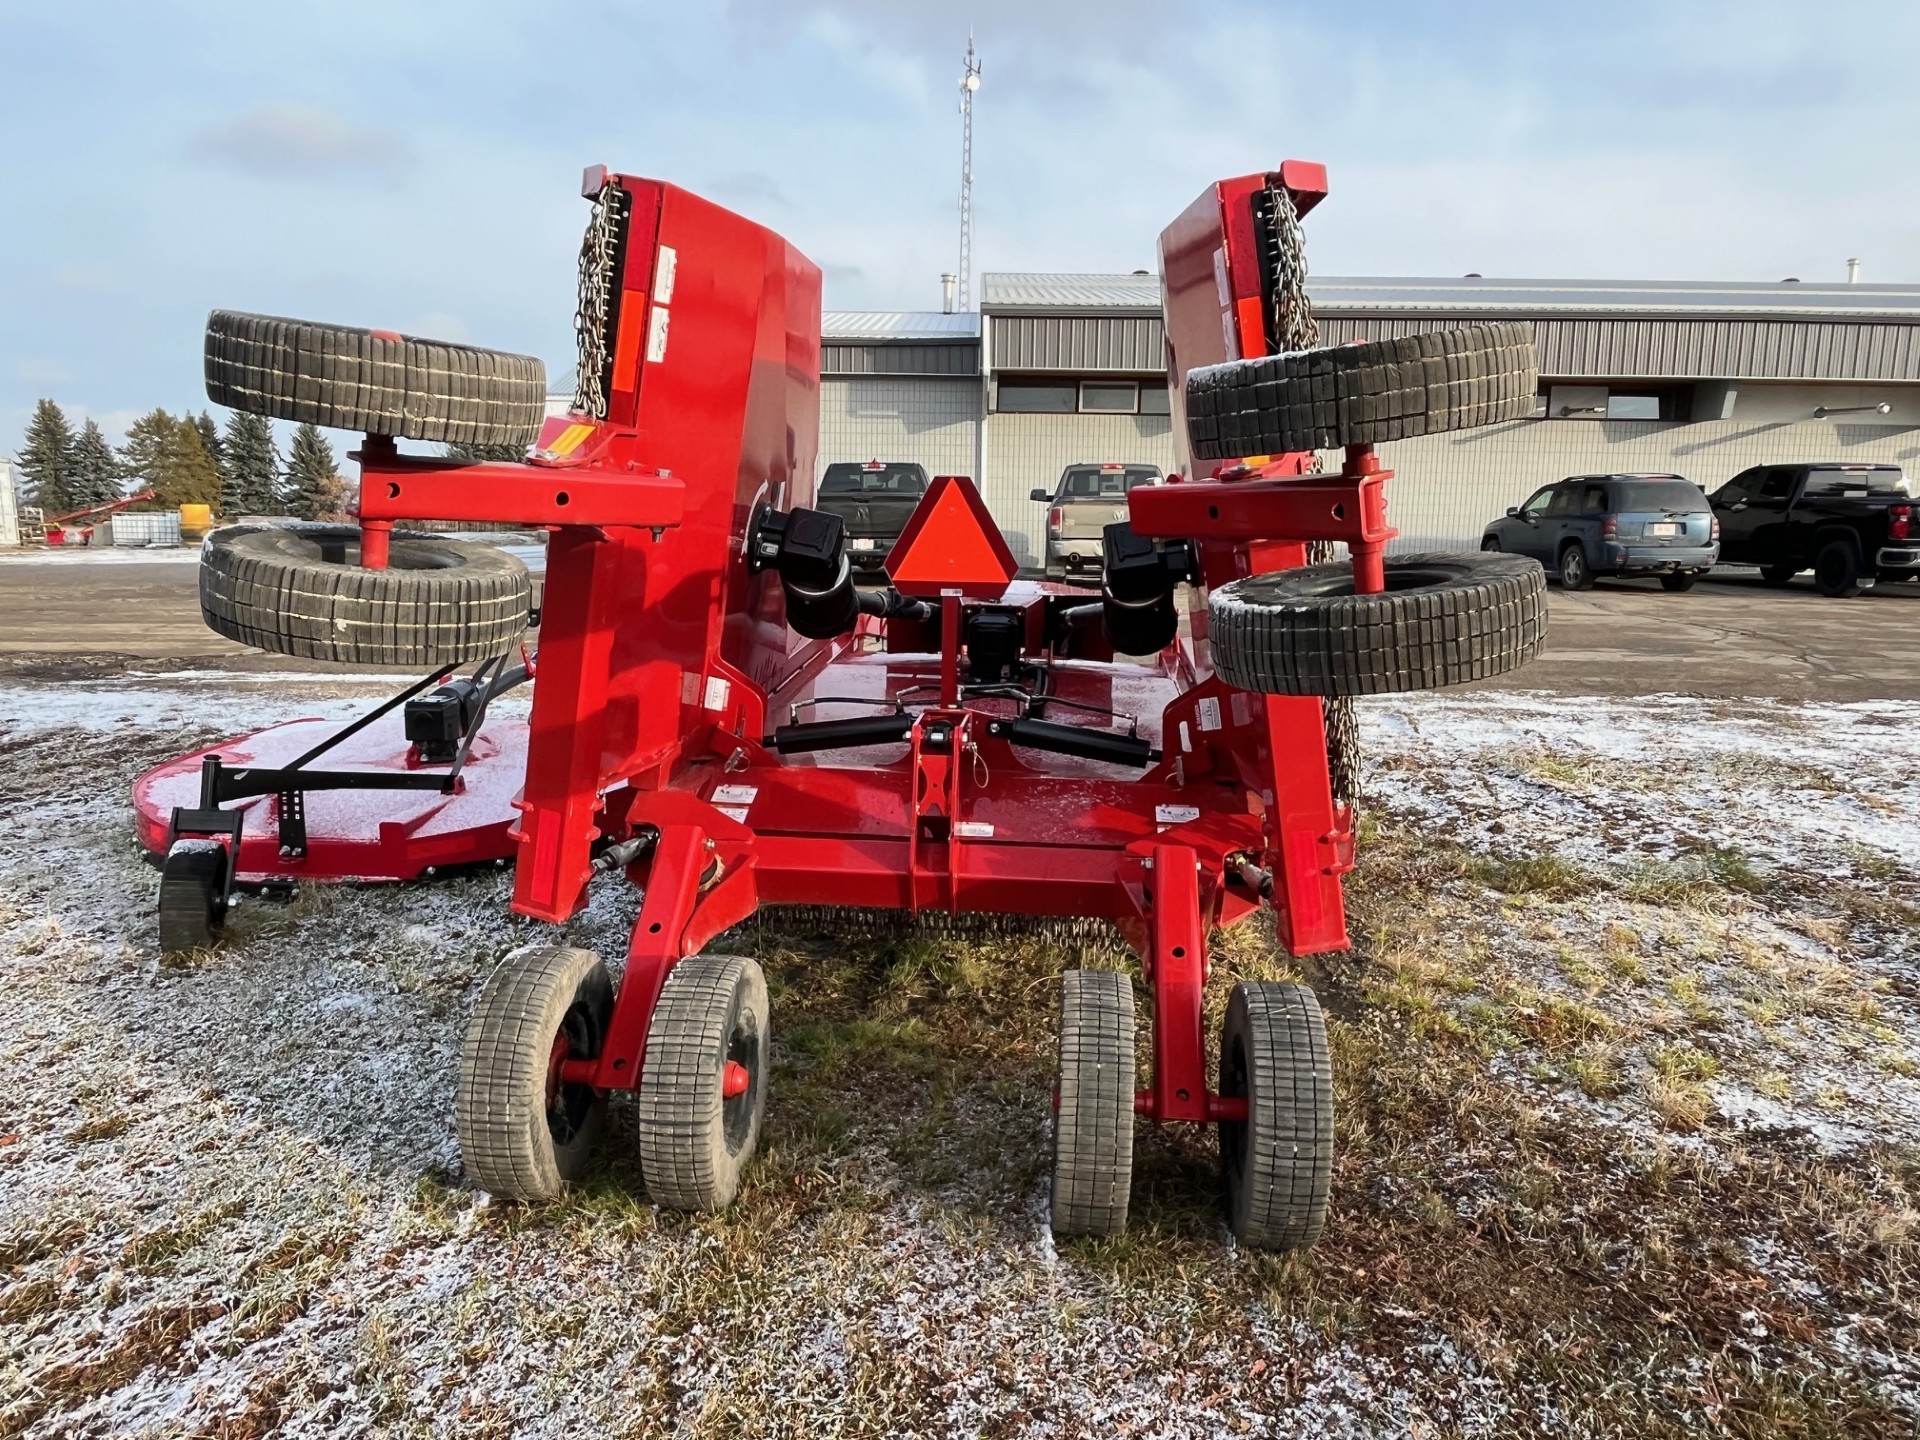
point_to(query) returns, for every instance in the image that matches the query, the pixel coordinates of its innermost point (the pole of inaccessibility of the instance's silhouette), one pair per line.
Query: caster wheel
(1093, 1121)
(703, 1085)
(1277, 1164)
(193, 896)
(523, 1134)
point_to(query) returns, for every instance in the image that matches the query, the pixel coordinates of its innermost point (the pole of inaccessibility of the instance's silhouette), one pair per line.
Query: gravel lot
(1627, 1053)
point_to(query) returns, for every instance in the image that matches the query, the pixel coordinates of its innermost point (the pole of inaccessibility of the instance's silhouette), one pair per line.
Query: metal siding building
(1734, 370)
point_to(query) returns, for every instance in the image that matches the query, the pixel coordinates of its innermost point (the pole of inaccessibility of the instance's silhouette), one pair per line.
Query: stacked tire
(300, 589)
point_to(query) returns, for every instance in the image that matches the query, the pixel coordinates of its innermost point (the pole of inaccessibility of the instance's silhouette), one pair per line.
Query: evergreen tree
(47, 461)
(96, 477)
(313, 490)
(143, 456)
(209, 437)
(187, 475)
(249, 467)
(464, 450)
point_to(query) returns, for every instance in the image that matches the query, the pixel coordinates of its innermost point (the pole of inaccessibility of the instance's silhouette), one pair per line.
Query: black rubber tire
(299, 590)
(374, 381)
(694, 1141)
(1093, 1115)
(523, 1137)
(1677, 582)
(1575, 572)
(1277, 1165)
(1777, 574)
(1442, 620)
(193, 885)
(1836, 570)
(1375, 391)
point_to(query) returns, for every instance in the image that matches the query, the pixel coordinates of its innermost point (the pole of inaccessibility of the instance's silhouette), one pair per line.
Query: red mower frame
(719, 714)
(640, 735)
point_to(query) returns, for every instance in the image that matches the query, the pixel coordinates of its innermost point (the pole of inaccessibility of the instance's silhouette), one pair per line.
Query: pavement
(1730, 636)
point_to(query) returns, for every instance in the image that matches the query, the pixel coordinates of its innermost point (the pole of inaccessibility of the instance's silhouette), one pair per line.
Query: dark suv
(1590, 525)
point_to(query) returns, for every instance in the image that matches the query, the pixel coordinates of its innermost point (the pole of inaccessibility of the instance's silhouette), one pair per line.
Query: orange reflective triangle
(951, 543)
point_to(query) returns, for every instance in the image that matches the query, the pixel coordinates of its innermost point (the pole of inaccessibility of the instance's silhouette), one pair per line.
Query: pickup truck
(874, 499)
(1850, 524)
(1088, 498)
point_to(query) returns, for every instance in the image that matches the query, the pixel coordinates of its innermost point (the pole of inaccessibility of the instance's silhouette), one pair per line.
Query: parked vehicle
(874, 499)
(1851, 524)
(1088, 498)
(1588, 525)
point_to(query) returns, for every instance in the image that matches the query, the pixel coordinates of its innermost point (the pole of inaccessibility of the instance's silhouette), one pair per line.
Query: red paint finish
(361, 835)
(1177, 968)
(664, 665)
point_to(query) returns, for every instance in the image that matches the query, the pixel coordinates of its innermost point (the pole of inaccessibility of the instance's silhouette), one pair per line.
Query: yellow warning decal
(570, 439)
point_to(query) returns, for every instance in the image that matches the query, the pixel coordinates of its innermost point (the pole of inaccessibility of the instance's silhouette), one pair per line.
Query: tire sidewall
(518, 1063)
(666, 1104)
(748, 1010)
(1445, 619)
(1836, 569)
(444, 601)
(1084, 1099)
(1575, 573)
(1275, 1111)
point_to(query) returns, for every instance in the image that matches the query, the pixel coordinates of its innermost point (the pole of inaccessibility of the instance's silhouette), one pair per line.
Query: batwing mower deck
(721, 716)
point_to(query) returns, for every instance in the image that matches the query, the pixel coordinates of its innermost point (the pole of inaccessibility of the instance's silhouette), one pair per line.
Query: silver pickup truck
(1089, 498)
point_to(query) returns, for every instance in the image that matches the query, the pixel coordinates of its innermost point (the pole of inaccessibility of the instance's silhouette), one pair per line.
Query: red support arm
(1177, 962)
(397, 487)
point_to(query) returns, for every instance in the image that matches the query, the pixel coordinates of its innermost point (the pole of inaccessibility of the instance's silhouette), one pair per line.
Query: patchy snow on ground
(1790, 992)
(101, 555)
(230, 1199)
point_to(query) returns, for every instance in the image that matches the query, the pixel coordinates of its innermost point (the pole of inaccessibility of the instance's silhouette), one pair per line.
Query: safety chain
(594, 317)
(1294, 328)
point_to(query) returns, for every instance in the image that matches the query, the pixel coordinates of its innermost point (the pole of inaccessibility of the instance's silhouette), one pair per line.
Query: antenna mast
(969, 82)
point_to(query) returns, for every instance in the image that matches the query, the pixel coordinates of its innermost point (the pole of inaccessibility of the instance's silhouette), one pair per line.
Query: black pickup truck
(875, 499)
(1850, 524)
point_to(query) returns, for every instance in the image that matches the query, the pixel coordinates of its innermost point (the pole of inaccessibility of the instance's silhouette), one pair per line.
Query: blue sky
(413, 164)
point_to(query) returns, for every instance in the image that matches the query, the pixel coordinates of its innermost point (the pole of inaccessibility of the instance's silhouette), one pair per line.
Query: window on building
(1154, 400)
(1633, 407)
(1618, 400)
(1577, 402)
(1109, 397)
(1026, 398)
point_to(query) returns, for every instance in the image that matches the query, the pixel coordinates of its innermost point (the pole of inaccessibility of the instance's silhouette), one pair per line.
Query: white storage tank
(9, 505)
(148, 527)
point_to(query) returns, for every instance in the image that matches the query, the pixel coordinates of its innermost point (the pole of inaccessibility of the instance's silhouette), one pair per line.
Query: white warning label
(734, 794)
(657, 335)
(1209, 709)
(666, 260)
